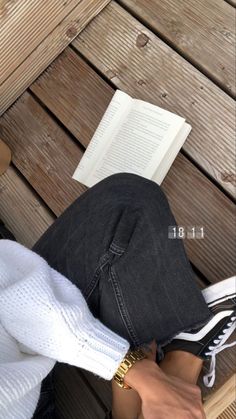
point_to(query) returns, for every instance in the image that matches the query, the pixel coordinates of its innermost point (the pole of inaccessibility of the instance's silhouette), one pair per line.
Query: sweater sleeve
(47, 314)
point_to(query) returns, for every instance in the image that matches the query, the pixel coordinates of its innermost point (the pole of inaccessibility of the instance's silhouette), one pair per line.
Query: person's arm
(46, 313)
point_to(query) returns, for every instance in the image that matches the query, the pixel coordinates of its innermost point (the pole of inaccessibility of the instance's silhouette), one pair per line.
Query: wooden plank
(138, 62)
(74, 93)
(25, 142)
(225, 362)
(5, 157)
(202, 31)
(224, 370)
(21, 209)
(48, 28)
(214, 399)
(73, 397)
(213, 255)
(195, 201)
(24, 25)
(43, 152)
(27, 218)
(229, 413)
(40, 159)
(221, 399)
(101, 387)
(225, 367)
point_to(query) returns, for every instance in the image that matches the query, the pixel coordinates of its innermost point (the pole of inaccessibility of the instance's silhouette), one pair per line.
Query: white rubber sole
(195, 337)
(222, 291)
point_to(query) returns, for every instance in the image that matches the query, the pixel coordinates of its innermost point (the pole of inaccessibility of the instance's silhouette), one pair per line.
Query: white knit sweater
(44, 318)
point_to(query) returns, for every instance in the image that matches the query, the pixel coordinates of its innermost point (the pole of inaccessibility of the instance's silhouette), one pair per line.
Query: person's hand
(164, 396)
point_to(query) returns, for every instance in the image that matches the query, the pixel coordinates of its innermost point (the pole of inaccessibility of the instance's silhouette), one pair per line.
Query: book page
(119, 105)
(144, 136)
(171, 154)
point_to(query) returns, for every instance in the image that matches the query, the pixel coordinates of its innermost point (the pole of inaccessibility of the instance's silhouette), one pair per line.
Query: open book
(133, 136)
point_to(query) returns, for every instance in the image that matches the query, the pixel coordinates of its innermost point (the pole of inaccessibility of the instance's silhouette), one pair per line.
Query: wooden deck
(28, 48)
(175, 54)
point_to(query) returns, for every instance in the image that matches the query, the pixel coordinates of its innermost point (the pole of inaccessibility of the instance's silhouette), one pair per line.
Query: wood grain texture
(196, 202)
(221, 399)
(74, 93)
(202, 31)
(74, 399)
(21, 209)
(225, 368)
(101, 387)
(138, 62)
(229, 413)
(24, 25)
(194, 199)
(26, 216)
(5, 157)
(42, 152)
(46, 32)
(224, 371)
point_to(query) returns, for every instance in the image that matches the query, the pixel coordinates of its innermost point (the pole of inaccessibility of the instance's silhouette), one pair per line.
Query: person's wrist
(141, 375)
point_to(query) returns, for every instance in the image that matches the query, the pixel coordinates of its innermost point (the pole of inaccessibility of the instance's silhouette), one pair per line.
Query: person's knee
(127, 180)
(137, 187)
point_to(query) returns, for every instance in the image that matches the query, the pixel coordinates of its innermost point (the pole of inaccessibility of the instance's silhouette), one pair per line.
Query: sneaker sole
(221, 291)
(195, 337)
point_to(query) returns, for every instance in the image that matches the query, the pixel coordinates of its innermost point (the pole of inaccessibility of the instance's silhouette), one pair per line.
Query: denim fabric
(112, 242)
(46, 408)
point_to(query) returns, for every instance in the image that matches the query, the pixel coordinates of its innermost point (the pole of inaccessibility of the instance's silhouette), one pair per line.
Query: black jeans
(112, 242)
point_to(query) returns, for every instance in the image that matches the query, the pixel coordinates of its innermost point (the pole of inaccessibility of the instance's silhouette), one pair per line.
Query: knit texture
(43, 319)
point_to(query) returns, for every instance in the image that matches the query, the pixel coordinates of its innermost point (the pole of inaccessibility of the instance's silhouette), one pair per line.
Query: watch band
(129, 360)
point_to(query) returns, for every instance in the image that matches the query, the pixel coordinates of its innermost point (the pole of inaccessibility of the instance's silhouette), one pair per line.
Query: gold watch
(129, 360)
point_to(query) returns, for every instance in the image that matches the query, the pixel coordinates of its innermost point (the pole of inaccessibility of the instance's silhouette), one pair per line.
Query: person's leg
(113, 244)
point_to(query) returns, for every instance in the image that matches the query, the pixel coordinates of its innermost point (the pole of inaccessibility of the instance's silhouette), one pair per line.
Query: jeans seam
(123, 310)
(117, 252)
(117, 248)
(102, 262)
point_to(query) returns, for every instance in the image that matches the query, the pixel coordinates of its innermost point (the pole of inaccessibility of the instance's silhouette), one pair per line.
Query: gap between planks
(221, 399)
(15, 195)
(24, 25)
(142, 65)
(74, 398)
(26, 216)
(21, 209)
(80, 101)
(203, 32)
(230, 412)
(44, 43)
